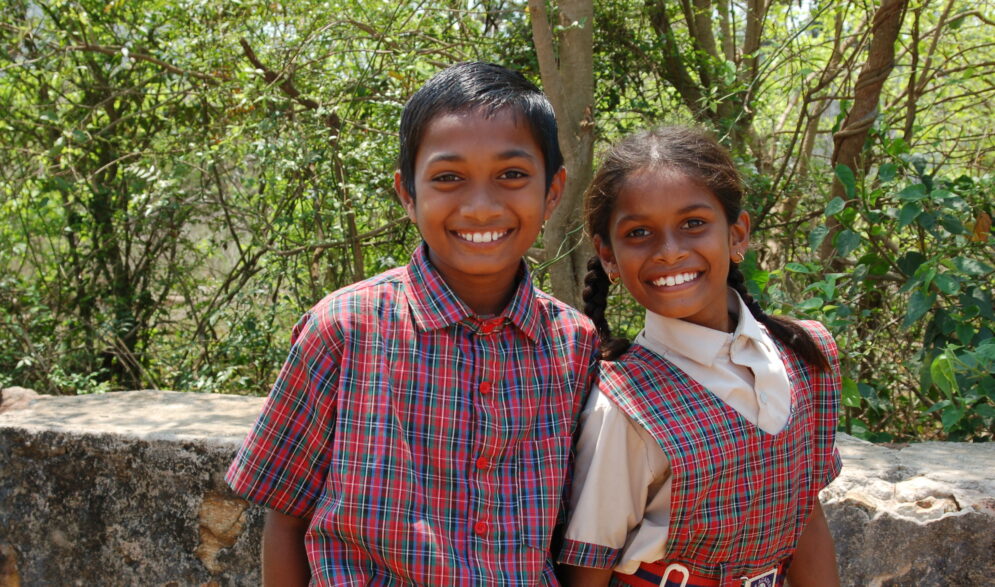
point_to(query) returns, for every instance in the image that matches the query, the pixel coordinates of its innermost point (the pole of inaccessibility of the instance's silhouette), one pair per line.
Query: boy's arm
(814, 563)
(585, 576)
(284, 557)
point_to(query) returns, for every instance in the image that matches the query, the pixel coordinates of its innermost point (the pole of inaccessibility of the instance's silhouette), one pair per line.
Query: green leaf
(912, 193)
(887, 171)
(952, 224)
(817, 235)
(812, 303)
(971, 266)
(947, 283)
(847, 241)
(850, 394)
(909, 262)
(835, 206)
(919, 304)
(797, 268)
(941, 370)
(909, 213)
(846, 177)
(951, 416)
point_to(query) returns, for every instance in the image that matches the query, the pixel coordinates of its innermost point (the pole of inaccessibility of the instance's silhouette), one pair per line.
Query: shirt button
(480, 528)
(485, 387)
(483, 463)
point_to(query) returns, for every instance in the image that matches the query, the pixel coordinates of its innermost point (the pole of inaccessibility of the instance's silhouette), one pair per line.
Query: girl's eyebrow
(685, 210)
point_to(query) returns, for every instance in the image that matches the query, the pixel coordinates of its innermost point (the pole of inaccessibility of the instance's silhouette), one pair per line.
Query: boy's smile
(671, 244)
(479, 201)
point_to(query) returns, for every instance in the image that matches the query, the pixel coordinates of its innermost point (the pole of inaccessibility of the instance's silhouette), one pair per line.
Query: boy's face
(480, 198)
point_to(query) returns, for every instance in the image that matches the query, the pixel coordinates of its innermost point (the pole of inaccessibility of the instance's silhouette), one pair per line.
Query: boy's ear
(402, 194)
(604, 251)
(555, 192)
(739, 236)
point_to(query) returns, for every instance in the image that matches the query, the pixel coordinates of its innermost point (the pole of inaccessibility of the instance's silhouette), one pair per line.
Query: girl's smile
(672, 245)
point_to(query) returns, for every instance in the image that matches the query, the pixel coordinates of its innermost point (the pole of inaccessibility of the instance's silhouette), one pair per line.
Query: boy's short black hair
(476, 85)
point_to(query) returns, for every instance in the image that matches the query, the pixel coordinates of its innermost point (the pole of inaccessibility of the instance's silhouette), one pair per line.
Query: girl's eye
(637, 233)
(694, 223)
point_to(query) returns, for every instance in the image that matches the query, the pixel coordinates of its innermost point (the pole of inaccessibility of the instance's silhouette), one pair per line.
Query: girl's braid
(787, 331)
(595, 294)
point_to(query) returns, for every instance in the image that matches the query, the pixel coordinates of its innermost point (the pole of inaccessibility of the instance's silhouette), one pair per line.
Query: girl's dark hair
(486, 88)
(699, 156)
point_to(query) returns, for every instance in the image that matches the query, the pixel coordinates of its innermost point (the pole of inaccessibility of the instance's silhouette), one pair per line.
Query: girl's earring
(740, 257)
(614, 278)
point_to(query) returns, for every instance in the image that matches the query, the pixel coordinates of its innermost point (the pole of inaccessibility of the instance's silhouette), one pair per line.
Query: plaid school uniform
(741, 496)
(426, 445)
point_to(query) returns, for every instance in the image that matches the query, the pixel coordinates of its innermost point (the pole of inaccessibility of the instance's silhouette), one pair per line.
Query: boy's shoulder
(564, 317)
(360, 301)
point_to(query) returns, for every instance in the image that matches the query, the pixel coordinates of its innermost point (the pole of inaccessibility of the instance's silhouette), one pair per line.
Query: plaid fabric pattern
(741, 496)
(428, 446)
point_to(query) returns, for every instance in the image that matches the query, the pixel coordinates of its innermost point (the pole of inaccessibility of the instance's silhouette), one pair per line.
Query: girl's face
(671, 243)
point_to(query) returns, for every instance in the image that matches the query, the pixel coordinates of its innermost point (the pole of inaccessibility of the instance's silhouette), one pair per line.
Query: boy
(420, 429)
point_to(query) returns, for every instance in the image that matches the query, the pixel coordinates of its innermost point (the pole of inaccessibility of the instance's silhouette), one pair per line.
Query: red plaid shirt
(426, 445)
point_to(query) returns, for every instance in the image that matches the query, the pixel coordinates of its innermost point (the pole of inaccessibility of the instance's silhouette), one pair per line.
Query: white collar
(700, 343)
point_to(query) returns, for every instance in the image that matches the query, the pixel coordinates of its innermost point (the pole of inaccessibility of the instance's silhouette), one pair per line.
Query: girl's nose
(671, 250)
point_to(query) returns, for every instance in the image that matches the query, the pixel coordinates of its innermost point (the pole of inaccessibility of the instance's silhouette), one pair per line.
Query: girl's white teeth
(481, 237)
(678, 279)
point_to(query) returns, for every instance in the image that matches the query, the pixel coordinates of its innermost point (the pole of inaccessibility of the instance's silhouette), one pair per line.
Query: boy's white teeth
(678, 279)
(481, 237)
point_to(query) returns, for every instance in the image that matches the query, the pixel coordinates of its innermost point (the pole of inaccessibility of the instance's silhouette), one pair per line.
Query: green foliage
(910, 301)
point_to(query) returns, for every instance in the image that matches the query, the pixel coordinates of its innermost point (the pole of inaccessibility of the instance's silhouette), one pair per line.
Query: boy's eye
(446, 177)
(513, 174)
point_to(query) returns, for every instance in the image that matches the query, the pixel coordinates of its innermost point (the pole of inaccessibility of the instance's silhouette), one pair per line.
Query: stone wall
(128, 489)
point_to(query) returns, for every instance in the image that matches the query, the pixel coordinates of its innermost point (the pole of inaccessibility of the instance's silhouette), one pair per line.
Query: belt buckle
(768, 579)
(676, 568)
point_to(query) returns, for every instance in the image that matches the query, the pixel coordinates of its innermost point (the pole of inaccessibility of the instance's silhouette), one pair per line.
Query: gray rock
(15, 398)
(919, 515)
(127, 489)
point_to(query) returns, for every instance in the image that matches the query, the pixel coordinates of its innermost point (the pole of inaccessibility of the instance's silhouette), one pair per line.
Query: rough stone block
(127, 489)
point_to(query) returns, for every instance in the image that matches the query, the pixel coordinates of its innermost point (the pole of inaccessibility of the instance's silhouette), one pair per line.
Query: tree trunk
(849, 141)
(566, 65)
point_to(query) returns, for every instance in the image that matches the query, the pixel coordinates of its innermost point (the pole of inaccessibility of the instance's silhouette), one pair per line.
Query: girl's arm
(585, 576)
(814, 563)
(284, 556)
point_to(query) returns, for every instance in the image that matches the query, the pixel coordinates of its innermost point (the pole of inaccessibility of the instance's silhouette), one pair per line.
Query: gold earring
(741, 257)
(614, 278)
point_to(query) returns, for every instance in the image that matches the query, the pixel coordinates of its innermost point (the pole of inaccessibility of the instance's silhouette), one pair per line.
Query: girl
(705, 444)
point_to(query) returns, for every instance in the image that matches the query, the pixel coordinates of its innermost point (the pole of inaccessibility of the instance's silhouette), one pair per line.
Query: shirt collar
(434, 305)
(700, 343)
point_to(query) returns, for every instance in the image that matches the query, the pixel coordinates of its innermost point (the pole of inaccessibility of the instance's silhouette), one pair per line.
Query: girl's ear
(739, 237)
(604, 251)
(402, 194)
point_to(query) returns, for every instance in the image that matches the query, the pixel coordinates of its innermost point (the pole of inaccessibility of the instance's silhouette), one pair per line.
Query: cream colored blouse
(621, 490)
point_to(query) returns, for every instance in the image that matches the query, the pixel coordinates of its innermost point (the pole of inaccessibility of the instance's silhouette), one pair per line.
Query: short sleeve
(611, 485)
(283, 462)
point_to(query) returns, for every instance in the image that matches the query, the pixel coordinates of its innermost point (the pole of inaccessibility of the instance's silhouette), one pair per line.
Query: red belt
(662, 574)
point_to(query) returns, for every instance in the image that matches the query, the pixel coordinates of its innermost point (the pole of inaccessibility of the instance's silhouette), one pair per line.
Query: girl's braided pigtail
(596, 286)
(784, 329)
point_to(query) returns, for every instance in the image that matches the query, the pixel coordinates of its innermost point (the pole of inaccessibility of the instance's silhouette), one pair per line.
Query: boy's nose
(481, 204)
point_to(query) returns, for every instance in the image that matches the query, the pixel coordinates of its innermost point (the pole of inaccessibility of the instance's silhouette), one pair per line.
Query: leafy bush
(909, 299)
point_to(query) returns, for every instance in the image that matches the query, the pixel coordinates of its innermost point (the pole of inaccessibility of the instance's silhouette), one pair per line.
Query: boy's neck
(486, 298)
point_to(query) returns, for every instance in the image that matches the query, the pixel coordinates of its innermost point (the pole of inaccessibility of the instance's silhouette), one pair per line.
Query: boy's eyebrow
(502, 156)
